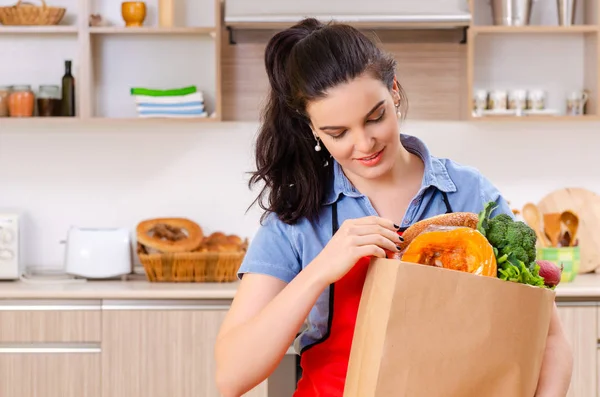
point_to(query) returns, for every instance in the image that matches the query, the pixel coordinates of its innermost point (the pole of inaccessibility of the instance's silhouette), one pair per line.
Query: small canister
(21, 102)
(4, 93)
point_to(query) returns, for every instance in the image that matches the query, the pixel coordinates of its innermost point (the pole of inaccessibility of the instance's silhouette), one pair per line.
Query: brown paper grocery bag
(424, 331)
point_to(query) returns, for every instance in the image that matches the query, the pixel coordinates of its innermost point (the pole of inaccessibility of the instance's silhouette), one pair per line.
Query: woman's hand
(357, 238)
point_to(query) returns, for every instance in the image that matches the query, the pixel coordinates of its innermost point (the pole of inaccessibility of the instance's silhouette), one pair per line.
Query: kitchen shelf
(38, 29)
(533, 29)
(154, 30)
(540, 56)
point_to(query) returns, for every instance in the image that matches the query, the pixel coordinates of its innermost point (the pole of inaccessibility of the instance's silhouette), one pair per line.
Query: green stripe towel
(171, 92)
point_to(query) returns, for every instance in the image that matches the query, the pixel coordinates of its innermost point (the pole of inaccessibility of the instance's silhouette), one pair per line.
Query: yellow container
(568, 257)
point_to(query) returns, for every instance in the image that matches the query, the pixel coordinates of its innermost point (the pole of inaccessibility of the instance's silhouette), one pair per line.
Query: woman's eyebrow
(368, 114)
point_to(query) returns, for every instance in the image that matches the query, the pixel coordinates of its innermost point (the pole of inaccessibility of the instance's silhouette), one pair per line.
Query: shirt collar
(435, 173)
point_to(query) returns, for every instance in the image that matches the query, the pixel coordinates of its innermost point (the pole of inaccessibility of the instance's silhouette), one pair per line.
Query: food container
(4, 93)
(21, 101)
(568, 257)
(48, 101)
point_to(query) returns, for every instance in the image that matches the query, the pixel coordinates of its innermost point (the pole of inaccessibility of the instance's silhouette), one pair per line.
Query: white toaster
(98, 252)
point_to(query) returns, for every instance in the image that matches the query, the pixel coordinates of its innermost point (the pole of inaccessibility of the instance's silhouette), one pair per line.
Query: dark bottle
(68, 92)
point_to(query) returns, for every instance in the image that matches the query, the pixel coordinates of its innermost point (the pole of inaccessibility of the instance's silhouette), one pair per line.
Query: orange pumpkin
(461, 248)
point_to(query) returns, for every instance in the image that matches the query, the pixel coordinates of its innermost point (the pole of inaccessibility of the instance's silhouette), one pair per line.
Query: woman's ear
(396, 92)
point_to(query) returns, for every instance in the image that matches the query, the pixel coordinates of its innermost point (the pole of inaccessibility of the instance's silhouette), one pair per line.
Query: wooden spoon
(531, 215)
(552, 227)
(570, 222)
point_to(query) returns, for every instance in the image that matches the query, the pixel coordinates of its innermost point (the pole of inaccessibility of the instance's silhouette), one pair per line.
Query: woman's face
(357, 122)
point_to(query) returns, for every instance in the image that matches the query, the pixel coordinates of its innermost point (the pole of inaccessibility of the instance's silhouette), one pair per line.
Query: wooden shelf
(153, 30)
(549, 118)
(38, 29)
(534, 29)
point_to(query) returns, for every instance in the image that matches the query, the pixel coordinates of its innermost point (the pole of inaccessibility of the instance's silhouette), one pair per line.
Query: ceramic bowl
(134, 13)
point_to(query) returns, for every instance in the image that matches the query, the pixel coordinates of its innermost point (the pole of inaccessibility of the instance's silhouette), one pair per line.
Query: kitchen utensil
(533, 218)
(511, 12)
(566, 12)
(570, 222)
(552, 227)
(98, 253)
(586, 204)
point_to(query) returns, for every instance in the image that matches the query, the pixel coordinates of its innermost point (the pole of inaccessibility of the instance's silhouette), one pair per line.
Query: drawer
(49, 321)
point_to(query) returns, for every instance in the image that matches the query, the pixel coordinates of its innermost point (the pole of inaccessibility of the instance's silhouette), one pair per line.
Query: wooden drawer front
(50, 321)
(65, 374)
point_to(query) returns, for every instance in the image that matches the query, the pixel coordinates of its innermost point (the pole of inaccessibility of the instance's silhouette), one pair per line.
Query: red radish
(550, 272)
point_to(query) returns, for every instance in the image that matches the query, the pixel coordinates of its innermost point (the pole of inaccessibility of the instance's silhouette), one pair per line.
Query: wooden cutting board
(586, 205)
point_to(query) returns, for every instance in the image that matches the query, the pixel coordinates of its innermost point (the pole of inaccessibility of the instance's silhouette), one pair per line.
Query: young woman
(341, 182)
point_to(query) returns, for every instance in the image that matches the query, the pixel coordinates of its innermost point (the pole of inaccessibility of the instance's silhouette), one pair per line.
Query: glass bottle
(21, 101)
(68, 92)
(48, 101)
(4, 93)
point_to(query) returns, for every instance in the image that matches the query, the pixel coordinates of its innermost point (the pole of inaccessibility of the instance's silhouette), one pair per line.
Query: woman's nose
(364, 142)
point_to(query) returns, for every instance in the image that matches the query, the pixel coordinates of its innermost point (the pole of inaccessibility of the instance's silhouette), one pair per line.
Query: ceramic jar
(21, 101)
(133, 13)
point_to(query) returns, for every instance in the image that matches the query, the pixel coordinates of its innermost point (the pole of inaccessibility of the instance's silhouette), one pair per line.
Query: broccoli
(508, 236)
(513, 244)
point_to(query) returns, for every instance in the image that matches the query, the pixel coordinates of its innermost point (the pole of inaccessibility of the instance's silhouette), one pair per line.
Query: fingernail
(398, 248)
(401, 238)
(396, 226)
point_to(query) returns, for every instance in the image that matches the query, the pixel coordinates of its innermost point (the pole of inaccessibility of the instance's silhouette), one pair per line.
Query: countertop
(584, 287)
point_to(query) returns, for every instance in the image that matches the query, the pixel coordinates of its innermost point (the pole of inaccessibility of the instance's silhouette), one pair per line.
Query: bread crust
(467, 219)
(146, 234)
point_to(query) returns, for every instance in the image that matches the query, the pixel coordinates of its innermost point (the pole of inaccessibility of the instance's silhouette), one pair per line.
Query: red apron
(325, 364)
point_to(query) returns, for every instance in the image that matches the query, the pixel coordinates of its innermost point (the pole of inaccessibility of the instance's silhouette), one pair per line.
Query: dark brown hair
(302, 63)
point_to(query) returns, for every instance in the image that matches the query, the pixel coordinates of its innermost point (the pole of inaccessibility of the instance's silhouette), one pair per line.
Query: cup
(568, 257)
(517, 100)
(480, 98)
(498, 100)
(133, 13)
(536, 100)
(576, 101)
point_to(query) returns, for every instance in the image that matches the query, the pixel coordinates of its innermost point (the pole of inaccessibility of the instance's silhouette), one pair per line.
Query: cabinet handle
(175, 304)
(48, 305)
(49, 348)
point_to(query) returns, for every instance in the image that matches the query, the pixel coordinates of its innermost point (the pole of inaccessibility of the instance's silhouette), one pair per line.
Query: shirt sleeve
(489, 192)
(272, 251)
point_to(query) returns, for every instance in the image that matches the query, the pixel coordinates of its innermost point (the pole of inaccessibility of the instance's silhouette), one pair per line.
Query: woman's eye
(379, 118)
(338, 136)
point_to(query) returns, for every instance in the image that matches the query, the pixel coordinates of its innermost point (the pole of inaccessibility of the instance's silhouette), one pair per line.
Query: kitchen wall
(63, 174)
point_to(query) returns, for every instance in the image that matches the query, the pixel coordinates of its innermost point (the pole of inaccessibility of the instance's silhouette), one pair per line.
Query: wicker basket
(28, 14)
(199, 267)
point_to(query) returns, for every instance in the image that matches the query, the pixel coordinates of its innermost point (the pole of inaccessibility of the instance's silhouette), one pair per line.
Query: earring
(318, 145)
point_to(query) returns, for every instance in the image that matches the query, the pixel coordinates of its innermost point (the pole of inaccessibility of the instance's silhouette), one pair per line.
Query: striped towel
(190, 105)
(194, 98)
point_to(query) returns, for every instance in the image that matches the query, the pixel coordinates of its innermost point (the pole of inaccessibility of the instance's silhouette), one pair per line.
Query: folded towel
(172, 113)
(168, 92)
(177, 99)
(152, 107)
(173, 116)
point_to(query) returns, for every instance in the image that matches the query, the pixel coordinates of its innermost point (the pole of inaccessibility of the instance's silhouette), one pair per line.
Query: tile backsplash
(98, 176)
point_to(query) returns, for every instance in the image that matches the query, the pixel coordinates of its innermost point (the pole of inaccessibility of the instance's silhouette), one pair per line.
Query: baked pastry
(169, 234)
(466, 219)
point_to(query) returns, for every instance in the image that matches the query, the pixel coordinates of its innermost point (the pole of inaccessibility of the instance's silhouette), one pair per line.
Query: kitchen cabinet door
(580, 322)
(42, 371)
(158, 348)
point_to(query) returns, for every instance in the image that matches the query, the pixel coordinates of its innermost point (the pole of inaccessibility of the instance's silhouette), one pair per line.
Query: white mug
(576, 103)
(498, 100)
(517, 99)
(480, 98)
(536, 100)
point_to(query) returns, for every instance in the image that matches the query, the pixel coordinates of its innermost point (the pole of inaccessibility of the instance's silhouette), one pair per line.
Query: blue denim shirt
(282, 250)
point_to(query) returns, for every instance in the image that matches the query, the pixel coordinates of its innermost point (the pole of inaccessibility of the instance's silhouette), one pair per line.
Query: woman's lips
(372, 160)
